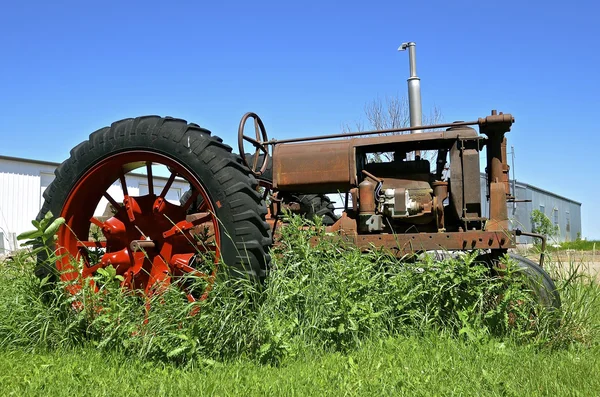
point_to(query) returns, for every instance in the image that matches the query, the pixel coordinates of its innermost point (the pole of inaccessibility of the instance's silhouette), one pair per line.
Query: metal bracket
(538, 236)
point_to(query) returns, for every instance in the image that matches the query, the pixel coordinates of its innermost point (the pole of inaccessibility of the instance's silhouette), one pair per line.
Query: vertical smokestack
(414, 87)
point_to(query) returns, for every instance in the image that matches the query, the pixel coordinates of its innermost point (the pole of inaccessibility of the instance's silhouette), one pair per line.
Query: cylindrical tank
(367, 220)
(366, 197)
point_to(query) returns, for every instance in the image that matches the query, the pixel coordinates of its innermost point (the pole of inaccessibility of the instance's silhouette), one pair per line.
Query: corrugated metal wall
(20, 197)
(564, 213)
(22, 183)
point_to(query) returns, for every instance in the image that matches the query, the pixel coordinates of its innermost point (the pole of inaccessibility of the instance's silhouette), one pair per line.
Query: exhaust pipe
(414, 87)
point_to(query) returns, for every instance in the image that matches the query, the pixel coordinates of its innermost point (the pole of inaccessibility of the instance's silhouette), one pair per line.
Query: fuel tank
(314, 167)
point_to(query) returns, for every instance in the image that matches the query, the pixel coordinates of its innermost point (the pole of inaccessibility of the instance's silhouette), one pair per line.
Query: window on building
(542, 209)
(568, 221)
(555, 216)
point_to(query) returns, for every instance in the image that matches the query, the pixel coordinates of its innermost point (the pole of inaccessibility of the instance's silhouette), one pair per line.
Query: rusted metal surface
(328, 167)
(498, 210)
(407, 243)
(261, 136)
(402, 244)
(373, 132)
(440, 193)
(501, 119)
(366, 197)
(375, 220)
(495, 126)
(316, 167)
(505, 168)
(538, 236)
(465, 174)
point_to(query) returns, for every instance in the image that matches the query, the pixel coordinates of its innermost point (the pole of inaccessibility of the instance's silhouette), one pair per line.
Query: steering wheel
(259, 143)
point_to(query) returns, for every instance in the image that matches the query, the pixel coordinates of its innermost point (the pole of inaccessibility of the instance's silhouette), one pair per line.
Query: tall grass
(581, 245)
(317, 298)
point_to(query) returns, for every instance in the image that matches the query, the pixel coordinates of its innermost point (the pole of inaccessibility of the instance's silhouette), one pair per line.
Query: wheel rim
(150, 241)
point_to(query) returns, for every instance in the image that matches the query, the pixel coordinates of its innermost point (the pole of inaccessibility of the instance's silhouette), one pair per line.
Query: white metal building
(563, 212)
(22, 184)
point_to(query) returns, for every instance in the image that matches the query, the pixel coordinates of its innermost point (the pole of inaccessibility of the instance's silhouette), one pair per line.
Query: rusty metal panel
(315, 167)
(402, 244)
(498, 211)
(464, 179)
(407, 243)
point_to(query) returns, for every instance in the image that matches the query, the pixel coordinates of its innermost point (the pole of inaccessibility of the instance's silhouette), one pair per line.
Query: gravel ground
(587, 261)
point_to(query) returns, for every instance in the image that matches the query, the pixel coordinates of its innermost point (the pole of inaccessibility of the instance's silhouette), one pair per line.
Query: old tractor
(405, 204)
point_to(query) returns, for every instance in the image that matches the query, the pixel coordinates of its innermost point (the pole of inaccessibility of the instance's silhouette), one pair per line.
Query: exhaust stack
(414, 87)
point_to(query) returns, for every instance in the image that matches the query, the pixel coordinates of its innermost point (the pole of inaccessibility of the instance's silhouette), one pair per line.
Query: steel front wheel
(153, 239)
(536, 279)
(540, 282)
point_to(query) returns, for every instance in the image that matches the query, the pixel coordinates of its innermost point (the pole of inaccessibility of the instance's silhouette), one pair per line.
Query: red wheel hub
(149, 240)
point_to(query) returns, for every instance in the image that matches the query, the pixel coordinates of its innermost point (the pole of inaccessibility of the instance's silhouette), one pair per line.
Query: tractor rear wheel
(149, 239)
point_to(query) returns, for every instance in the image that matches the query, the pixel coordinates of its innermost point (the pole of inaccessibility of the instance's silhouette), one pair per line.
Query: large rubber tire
(245, 236)
(311, 205)
(539, 281)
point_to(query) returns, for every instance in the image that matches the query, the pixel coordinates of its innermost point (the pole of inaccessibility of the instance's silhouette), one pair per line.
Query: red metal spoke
(90, 270)
(201, 217)
(150, 180)
(127, 279)
(138, 262)
(112, 201)
(190, 200)
(97, 222)
(191, 272)
(191, 299)
(159, 277)
(185, 225)
(203, 206)
(123, 183)
(168, 185)
(130, 206)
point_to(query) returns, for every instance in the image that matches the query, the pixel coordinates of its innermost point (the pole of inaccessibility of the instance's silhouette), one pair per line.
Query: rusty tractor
(404, 204)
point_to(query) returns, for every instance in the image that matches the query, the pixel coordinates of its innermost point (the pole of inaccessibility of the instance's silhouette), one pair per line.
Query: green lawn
(426, 366)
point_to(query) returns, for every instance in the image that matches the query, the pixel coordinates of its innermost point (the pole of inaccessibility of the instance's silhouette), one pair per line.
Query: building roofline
(484, 175)
(2, 157)
(53, 164)
(547, 192)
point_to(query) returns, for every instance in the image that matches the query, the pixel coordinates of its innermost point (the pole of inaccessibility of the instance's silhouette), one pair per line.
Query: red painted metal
(147, 240)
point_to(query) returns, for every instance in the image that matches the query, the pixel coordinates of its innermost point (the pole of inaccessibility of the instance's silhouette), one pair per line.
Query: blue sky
(69, 68)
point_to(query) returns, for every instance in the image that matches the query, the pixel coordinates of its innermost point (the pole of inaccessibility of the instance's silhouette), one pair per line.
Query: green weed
(319, 298)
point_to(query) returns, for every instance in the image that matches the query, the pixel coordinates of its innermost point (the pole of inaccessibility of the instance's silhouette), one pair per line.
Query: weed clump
(320, 295)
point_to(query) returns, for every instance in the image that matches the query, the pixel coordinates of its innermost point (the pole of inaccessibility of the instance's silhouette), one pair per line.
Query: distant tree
(542, 224)
(389, 113)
